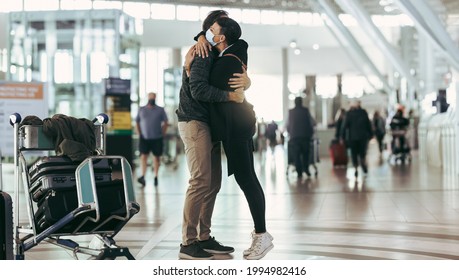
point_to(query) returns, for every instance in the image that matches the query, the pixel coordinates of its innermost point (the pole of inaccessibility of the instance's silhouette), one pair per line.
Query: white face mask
(210, 37)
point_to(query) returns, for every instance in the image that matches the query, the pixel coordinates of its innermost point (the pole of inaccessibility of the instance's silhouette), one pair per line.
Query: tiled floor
(396, 212)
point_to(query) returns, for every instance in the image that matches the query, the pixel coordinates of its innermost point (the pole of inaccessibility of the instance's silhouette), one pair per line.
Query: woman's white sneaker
(246, 252)
(261, 245)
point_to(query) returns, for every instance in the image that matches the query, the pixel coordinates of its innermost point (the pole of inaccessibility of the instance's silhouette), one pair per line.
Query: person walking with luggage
(357, 127)
(379, 126)
(151, 123)
(271, 135)
(300, 128)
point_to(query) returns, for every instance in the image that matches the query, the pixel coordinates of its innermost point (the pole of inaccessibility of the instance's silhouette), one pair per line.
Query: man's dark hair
(230, 28)
(212, 17)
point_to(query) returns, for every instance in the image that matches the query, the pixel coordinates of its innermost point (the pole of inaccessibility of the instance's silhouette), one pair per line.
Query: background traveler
(151, 123)
(300, 126)
(358, 127)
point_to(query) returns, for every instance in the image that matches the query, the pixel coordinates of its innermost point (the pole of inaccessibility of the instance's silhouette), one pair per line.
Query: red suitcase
(338, 153)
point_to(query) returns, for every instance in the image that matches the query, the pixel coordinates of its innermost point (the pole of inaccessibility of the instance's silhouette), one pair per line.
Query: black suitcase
(58, 173)
(56, 204)
(314, 151)
(6, 227)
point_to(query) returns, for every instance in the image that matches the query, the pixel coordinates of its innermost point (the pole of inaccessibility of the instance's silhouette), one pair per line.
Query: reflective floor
(397, 211)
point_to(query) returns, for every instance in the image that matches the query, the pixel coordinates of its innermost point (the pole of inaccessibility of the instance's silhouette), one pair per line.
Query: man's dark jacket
(357, 125)
(300, 123)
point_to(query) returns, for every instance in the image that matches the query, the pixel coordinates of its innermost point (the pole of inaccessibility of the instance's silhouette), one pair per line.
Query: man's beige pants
(204, 163)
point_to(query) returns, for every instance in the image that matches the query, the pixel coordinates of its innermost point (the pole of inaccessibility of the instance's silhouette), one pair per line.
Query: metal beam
(354, 48)
(354, 8)
(430, 24)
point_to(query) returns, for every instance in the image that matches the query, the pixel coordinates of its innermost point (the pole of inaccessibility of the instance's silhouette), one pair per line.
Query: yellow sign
(120, 120)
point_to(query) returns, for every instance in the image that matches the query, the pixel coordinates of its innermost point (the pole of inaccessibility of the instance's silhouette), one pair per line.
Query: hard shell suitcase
(56, 204)
(314, 151)
(338, 153)
(58, 172)
(6, 227)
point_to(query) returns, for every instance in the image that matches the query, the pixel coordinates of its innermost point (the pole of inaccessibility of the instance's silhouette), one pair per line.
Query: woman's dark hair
(230, 28)
(212, 17)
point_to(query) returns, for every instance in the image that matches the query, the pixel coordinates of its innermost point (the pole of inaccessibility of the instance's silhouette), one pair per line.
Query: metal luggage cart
(313, 155)
(400, 148)
(87, 218)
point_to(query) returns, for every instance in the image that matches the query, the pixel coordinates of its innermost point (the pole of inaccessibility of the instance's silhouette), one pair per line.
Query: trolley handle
(101, 118)
(15, 118)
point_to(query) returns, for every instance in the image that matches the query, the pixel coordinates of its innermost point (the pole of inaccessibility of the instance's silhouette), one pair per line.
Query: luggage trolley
(96, 198)
(400, 148)
(313, 155)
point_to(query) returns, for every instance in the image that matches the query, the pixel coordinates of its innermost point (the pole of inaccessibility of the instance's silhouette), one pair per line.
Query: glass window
(327, 86)
(251, 16)
(163, 11)
(262, 86)
(42, 5)
(10, 6)
(99, 66)
(142, 70)
(3, 60)
(43, 66)
(235, 14)
(190, 13)
(205, 10)
(156, 60)
(138, 26)
(107, 5)
(63, 67)
(76, 4)
(271, 17)
(348, 20)
(392, 20)
(310, 19)
(353, 86)
(84, 67)
(137, 10)
(305, 19)
(291, 18)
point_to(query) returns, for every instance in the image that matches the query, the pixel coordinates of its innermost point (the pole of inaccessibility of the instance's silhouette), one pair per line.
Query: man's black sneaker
(141, 181)
(156, 181)
(214, 247)
(194, 252)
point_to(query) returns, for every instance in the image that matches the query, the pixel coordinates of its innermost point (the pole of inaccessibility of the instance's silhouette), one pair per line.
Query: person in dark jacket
(300, 128)
(203, 155)
(359, 131)
(341, 115)
(234, 124)
(399, 126)
(379, 127)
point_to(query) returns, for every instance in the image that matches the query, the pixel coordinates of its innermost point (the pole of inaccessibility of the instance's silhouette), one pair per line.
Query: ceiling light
(293, 44)
(297, 51)
(315, 47)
